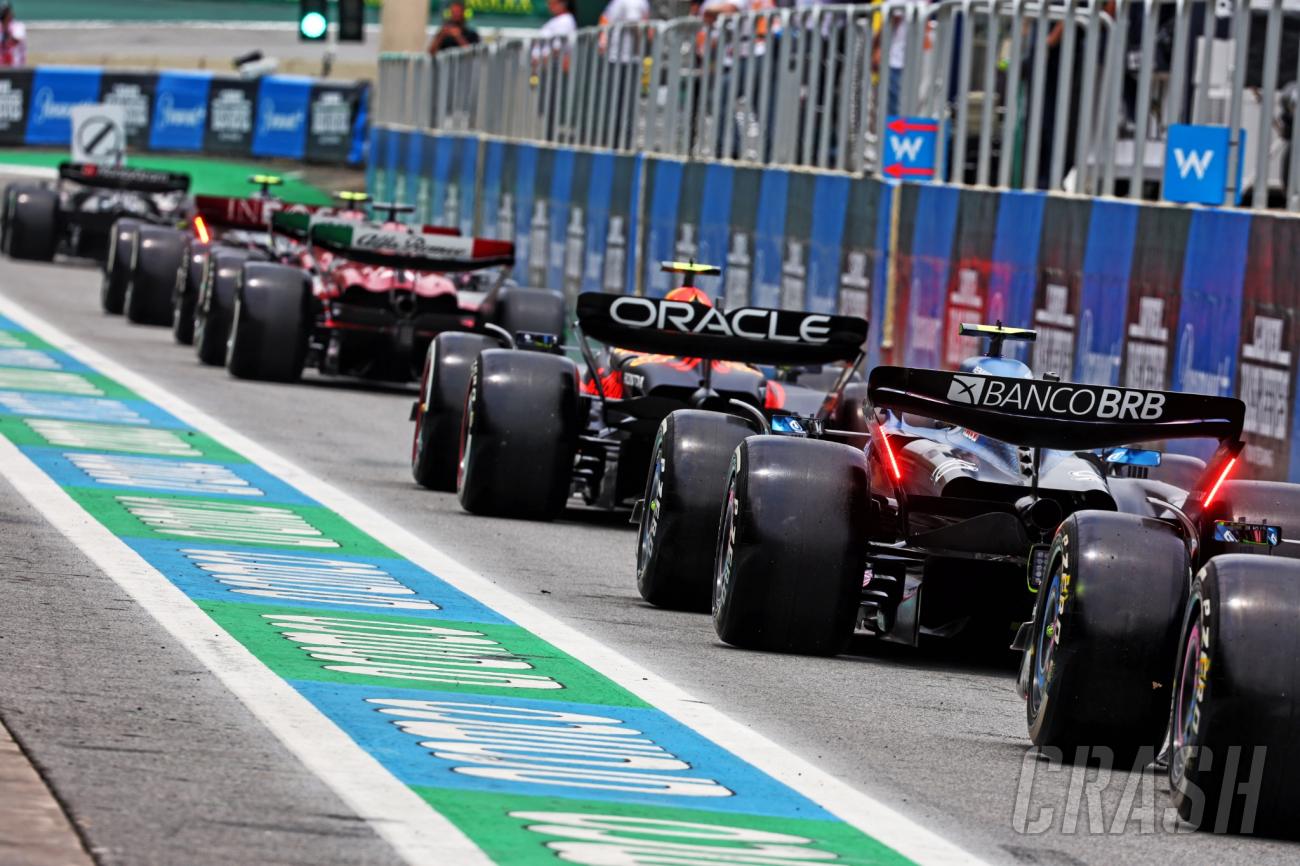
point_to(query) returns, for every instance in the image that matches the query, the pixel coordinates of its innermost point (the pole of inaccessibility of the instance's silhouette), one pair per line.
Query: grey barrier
(1073, 95)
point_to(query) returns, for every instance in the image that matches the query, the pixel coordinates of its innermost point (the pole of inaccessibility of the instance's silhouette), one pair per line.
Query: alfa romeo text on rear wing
(368, 244)
(748, 334)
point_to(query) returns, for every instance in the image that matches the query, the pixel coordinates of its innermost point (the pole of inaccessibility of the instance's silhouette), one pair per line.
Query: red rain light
(1223, 476)
(889, 452)
(201, 229)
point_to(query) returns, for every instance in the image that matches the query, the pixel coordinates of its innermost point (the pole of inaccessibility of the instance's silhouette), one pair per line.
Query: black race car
(129, 219)
(516, 432)
(75, 214)
(940, 519)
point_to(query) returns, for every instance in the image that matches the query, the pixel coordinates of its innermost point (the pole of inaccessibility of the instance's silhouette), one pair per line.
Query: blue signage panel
(282, 116)
(1196, 164)
(910, 147)
(55, 91)
(180, 111)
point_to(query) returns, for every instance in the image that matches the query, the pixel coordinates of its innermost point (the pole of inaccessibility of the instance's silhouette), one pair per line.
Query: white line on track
(304, 729)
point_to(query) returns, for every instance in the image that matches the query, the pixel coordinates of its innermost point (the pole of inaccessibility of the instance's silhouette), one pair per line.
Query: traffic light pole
(402, 25)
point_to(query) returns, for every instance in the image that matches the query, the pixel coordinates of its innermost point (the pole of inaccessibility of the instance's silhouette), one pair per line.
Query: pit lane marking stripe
(417, 835)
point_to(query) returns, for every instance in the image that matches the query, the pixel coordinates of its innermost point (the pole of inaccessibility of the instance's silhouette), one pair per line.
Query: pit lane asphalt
(93, 687)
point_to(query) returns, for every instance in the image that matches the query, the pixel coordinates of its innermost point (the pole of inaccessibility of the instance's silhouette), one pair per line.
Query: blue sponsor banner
(357, 153)
(407, 180)
(769, 239)
(715, 214)
(931, 259)
(525, 179)
(599, 191)
(180, 111)
(55, 91)
(438, 155)
(880, 273)
(1103, 302)
(661, 223)
(281, 128)
(639, 167)
(560, 191)
(1209, 317)
(467, 218)
(677, 768)
(825, 243)
(490, 212)
(1013, 274)
(324, 579)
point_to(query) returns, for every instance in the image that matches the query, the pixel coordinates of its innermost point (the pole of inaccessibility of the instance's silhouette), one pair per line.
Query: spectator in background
(13, 38)
(561, 22)
(454, 32)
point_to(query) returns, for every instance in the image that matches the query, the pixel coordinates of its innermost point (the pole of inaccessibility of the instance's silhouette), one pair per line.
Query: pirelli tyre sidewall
(187, 293)
(678, 534)
(1234, 757)
(520, 435)
(269, 323)
(32, 224)
(1101, 650)
(215, 307)
(119, 264)
(791, 546)
(160, 267)
(435, 446)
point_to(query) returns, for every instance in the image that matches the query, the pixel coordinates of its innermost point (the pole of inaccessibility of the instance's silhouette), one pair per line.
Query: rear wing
(416, 251)
(1060, 415)
(252, 213)
(121, 177)
(747, 334)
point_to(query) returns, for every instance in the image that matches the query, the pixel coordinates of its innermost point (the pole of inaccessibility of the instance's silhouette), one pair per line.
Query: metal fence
(1068, 94)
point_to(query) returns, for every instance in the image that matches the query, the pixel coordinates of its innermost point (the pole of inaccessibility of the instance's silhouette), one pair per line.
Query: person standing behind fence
(455, 32)
(624, 56)
(13, 38)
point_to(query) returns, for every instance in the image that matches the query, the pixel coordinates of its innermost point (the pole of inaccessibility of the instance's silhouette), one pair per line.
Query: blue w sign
(1196, 164)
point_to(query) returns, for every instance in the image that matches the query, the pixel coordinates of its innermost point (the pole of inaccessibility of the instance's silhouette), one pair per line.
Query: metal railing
(1064, 94)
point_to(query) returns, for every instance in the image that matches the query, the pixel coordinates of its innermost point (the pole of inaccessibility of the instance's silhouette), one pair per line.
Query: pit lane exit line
(419, 833)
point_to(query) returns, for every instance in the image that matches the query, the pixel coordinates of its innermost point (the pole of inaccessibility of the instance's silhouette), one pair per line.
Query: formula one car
(374, 297)
(944, 511)
(231, 224)
(516, 432)
(243, 230)
(74, 215)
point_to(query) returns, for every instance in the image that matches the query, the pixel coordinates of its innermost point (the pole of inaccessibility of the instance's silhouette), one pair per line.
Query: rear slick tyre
(1234, 756)
(792, 546)
(678, 534)
(160, 267)
(435, 446)
(519, 435)
(269, 324)
(1100, 659)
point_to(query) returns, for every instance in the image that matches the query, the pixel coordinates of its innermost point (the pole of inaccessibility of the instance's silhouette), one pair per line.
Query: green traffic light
(313, 25)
